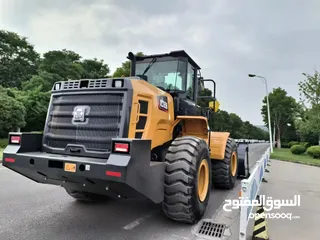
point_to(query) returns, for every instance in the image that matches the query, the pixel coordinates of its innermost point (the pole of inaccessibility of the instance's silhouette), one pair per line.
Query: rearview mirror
(201, 85)
(214, 105)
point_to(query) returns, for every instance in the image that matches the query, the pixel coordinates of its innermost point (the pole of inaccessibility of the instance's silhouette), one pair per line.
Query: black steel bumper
(122, 174)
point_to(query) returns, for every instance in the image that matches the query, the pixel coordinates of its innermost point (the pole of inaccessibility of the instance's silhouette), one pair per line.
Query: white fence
(249, 190)
(251, 141)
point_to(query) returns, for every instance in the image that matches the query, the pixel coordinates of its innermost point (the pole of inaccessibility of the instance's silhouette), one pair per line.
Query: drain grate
(211, 229)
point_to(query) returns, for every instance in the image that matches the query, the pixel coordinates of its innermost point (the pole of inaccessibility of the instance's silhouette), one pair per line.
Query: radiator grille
(102, 121)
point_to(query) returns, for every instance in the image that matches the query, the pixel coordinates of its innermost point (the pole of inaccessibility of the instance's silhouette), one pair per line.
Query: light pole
(268, 107)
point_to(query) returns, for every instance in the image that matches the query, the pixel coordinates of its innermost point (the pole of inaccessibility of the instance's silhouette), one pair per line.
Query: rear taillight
(113, 174)
(15, 139)
(10, 160)
(121, 147)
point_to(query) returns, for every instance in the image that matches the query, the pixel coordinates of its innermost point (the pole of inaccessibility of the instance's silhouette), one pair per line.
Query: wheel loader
(142, 136)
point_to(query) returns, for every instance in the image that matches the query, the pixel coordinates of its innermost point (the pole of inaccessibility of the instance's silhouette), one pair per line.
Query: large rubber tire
(183, 160)
(87, 197)
(222, 177)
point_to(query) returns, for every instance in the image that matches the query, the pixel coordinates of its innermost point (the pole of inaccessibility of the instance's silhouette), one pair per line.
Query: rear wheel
(187, 179)
(87, 197)
(224, 172)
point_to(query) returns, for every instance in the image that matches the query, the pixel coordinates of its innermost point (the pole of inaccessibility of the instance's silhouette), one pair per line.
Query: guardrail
(249, 190)
(250, 141)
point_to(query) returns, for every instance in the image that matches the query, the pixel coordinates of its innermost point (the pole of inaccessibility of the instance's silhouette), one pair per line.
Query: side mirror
(201, 84)
(214, 105)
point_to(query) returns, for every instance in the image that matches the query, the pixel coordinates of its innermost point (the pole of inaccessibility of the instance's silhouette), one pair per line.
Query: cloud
(228, 39)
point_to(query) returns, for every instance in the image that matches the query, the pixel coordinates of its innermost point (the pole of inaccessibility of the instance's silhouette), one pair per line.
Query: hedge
(306, 144)
(314, 151)
(292, 143)
(297, 149)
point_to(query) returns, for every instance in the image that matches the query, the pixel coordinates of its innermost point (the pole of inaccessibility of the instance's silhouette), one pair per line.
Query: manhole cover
(211, 229)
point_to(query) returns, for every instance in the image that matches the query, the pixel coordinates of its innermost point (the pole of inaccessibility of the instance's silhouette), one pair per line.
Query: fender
(218, 142)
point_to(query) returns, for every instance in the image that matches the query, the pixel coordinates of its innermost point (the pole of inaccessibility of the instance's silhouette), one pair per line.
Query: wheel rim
(203, 180)
(233, 164)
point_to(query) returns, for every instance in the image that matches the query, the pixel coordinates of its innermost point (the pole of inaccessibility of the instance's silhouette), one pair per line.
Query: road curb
(292, 161)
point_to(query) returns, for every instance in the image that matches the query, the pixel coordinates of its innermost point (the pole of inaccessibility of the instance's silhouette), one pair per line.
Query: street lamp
(268, 107)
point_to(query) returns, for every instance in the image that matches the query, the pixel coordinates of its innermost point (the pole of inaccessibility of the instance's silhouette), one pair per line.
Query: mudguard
(243, 160)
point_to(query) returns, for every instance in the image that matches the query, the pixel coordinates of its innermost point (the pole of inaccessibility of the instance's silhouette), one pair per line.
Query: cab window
(168, 75)
(190, 82)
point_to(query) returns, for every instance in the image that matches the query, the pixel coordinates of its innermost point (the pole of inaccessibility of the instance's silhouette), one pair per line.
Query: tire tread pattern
(180, 178)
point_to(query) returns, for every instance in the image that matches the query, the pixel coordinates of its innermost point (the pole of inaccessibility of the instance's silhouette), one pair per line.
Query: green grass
(284, 154)
(3, 142)
(1, 151)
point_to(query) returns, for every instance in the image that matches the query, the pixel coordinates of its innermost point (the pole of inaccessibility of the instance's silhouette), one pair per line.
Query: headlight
(118, 83)
(57, 86)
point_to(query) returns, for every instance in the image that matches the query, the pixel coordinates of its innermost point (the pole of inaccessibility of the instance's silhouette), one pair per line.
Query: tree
(124, 70)
(44, 79)
(65, 63)
(18, 59)
(204, 102)
(94, 69)
(36, 104)
(289, 133)
(282, 111)
(12, 113)
(235, 126)
(246, 130)
(220, 121)
(310, 89)
(310, 98)
(308, 126)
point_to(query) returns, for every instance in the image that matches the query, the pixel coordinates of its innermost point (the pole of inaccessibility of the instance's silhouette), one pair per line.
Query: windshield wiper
(149, 66)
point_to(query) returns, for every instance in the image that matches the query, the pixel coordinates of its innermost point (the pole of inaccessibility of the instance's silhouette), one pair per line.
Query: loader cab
(175, 73)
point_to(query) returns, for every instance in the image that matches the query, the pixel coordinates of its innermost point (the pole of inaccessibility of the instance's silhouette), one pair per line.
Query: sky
(227, 38)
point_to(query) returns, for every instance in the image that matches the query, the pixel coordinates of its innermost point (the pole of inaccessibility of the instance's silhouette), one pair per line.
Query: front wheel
(187, 179)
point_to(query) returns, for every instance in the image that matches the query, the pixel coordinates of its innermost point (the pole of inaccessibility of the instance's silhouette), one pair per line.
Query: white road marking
(138, 221)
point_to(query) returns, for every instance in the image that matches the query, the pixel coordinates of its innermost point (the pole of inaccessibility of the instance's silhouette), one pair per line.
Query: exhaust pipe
(132, 58)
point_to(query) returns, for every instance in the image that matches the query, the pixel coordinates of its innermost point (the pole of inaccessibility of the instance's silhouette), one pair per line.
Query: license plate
(70, 167)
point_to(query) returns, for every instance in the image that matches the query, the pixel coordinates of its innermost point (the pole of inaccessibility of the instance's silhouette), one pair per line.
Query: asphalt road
(31, 211)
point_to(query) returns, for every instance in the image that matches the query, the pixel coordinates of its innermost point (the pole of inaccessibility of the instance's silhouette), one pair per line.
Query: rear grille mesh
(71, 85)
(94, 83)
(102, 121)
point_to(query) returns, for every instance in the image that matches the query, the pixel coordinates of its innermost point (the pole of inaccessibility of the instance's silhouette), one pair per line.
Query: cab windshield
(169, 75)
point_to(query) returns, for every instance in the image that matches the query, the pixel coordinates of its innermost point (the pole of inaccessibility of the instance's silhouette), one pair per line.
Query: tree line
(26, 79)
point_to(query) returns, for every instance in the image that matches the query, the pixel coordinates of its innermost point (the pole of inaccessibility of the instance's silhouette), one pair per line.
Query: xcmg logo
(163, 103)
